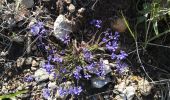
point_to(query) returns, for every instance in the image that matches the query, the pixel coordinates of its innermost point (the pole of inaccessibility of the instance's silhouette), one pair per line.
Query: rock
(81, 10)
(27, 3)
(3, 54)
(99, 82)
(68, 1)
(107, 68)
(71, 8)
(127, 92)
(20, 88)
(33, 68)
(41, 86)
(35, 63)
(28, 61)
(62, 27)
(144, 87)
(18, 39)
(41, 75)
(52, 85)
(20, 61)
(42, 62)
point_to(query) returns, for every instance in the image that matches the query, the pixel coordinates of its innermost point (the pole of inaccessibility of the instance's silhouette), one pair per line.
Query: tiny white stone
(41, 75)
(34, 63)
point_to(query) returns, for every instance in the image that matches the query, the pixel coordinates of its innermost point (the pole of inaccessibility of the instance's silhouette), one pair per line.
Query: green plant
(12, 95)
(151, 15)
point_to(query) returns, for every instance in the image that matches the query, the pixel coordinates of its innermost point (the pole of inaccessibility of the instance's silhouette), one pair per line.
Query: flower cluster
(38, 29)
(76, 73)
(112, 45)
(87, 55)
(96, 23)
(71, 90)
(46, 93)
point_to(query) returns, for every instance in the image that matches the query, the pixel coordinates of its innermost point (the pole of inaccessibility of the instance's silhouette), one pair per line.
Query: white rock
(20, 88)
(81, 10)
(68, 1)
(41, 75)
(71, 8)
(127, 92)
(130, 92)
(144, 87)
(99, 82)
(20, 61)
(52, 85)
(62, 27)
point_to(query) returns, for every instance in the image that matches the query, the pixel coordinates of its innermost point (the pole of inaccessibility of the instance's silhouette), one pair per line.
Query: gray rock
(62, 27)
(20, 61)
(99, 82)
(41, 75)
(27, 3)
(106, 66)
(28, 61)
(41, 86)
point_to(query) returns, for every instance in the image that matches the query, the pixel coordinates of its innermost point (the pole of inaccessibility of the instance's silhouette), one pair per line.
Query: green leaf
(155, 26)
(12, 94)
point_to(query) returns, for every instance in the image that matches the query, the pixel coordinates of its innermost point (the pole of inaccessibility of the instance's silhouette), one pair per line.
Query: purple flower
(63, 70)
(121, 66)
(113, 56)
(96, 23)
(65, 39)
(75, 90)
(48, 67)
(28, 79)
(87, 76)
(90, 67)
(46, 93)
(38, 29)
(57, 59)
(87, 55)
(116, 36)
(112, 46)
(104, 39)
(122, 55)
(76, 73)
(62, 91)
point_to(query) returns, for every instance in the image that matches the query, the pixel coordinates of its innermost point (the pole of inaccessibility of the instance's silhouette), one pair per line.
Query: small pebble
(28, 61)
(71, 8)
(34, 63)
